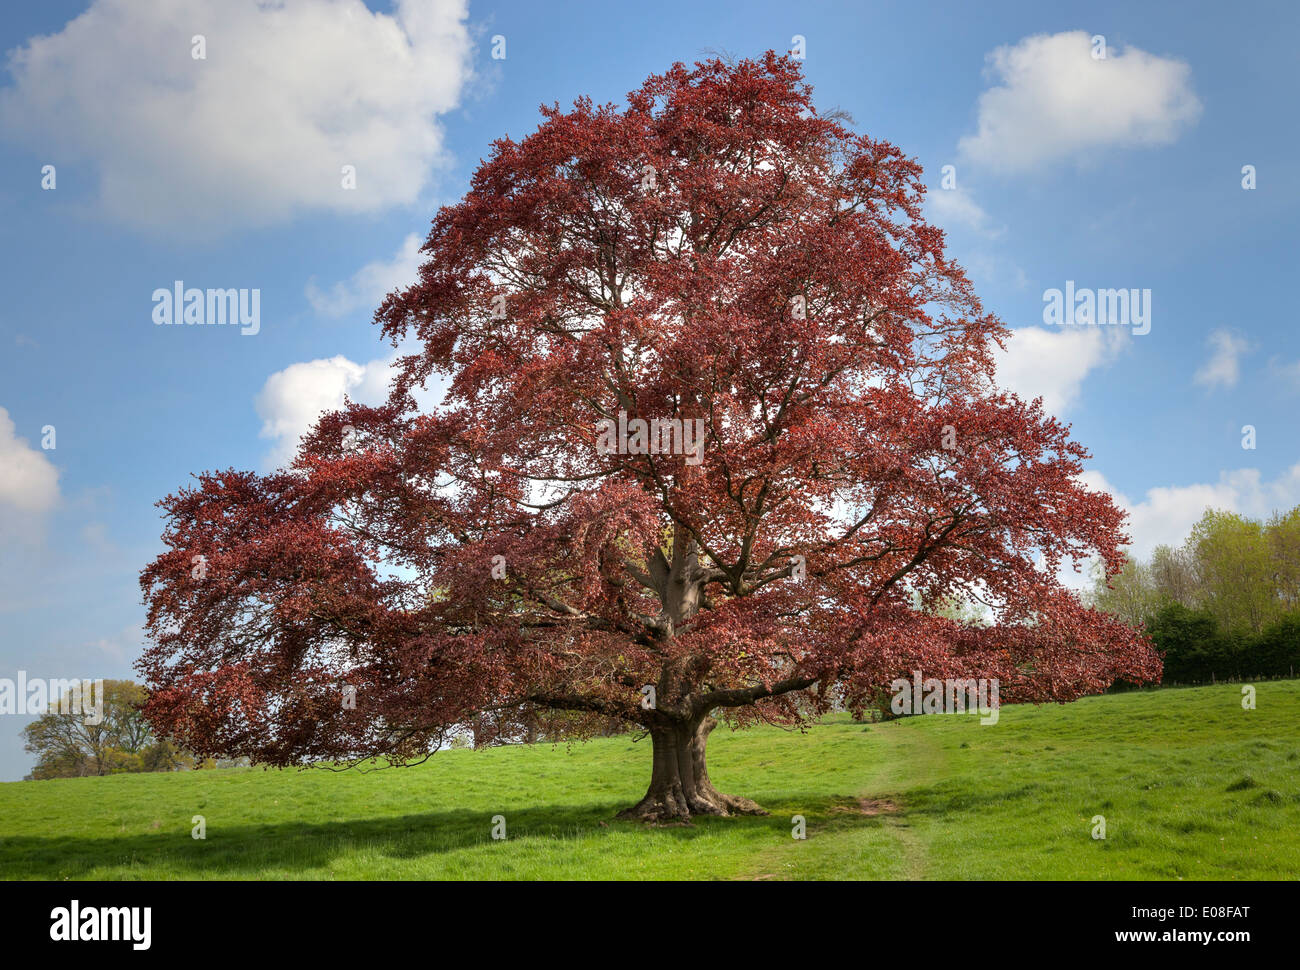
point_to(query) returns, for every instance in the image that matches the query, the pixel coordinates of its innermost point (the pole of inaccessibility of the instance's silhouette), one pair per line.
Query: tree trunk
(679, 782)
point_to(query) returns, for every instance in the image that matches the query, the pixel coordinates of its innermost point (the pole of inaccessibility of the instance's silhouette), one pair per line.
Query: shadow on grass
(245, 851)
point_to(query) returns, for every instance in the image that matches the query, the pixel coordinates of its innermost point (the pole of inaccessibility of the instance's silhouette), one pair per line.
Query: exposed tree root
(679, 785)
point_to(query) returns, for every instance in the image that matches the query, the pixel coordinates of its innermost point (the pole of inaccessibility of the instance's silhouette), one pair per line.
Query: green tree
(1131, 594)
(1236, 572)
(1283, 532)
(67, 745)
(1194, 648)
(1174, 577)
(1276, 651)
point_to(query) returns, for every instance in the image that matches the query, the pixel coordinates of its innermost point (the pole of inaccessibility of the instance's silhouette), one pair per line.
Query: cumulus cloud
(292, 399)
(29, 482)
(259, 130)
(1053, 364)
(1166, 514)
(1223, 368)
(370, 284)
(1053, 101)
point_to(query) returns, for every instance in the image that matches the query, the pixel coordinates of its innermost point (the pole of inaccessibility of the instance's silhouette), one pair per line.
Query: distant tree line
(1223, 605)
(66, 746)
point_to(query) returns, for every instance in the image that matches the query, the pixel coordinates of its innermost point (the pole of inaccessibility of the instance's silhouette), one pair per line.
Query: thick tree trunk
(679, 782)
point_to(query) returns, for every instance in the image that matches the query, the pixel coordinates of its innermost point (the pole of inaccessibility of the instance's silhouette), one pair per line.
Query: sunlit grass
(1190, 785)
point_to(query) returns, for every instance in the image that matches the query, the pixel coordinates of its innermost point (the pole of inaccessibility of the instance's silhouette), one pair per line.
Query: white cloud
(1223, 367)
(293, 399)
(1288, 372)
(29, 482)
(985, 267)
(1166, 514)
(259, 130)
(370, 284)
(956, 207)
(121, 646)
(1053, 363)
(1054, 101)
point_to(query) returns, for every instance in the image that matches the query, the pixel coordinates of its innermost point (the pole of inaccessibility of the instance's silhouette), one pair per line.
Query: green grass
(1191, 786)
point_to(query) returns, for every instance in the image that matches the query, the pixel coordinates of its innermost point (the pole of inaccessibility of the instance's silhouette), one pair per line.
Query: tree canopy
(1244, 573)
(715, 255)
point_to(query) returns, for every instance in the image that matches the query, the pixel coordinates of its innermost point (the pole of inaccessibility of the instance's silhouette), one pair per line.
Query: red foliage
(793, 566)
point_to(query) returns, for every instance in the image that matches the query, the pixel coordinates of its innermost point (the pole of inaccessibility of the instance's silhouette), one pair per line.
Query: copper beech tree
(719, 435)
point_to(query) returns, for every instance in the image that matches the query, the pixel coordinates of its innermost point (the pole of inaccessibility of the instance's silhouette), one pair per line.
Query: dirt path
(914, 760)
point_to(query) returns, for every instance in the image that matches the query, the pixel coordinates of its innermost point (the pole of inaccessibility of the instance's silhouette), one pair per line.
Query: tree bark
(679, 781)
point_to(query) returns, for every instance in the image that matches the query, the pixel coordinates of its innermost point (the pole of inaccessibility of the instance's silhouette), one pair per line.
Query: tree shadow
(248, 851)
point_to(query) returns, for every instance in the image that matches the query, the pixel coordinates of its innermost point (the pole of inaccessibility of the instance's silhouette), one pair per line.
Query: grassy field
(1191, 787)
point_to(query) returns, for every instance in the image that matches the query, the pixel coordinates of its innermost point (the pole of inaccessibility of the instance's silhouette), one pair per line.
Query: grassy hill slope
(1191, 786)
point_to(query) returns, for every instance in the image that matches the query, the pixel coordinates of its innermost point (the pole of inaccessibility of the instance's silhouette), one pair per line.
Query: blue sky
(1122, 172)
